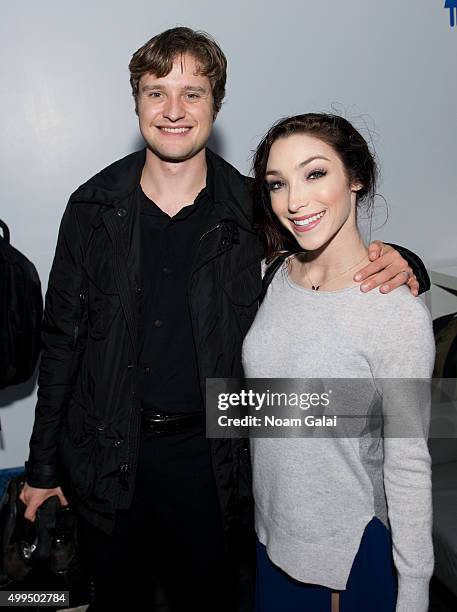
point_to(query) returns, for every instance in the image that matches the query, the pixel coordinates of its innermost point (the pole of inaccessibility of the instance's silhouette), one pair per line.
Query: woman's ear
(356, 186)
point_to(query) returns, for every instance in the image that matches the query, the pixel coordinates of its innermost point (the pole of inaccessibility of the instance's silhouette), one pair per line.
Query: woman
(331, 513)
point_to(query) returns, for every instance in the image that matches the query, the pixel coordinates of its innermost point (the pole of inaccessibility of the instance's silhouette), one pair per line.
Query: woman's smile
(306, 224)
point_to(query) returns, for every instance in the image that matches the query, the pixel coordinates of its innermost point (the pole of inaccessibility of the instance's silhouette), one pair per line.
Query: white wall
(67, 110)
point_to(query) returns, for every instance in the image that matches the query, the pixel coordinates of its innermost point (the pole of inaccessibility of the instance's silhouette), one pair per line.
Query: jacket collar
(230, 190)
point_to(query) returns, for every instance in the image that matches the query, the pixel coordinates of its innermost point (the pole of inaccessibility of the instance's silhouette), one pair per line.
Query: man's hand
(387, 268)
(33, 497)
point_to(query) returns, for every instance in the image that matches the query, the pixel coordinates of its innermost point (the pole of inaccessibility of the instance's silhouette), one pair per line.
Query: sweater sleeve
(402, 367)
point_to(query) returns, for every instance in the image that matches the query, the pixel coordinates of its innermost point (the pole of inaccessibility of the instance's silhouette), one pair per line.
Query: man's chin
(174, 157)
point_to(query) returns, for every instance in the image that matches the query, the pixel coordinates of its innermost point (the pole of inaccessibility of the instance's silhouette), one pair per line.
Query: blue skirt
(372, 583)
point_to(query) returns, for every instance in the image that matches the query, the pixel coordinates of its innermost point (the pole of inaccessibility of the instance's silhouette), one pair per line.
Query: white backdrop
(67, 110)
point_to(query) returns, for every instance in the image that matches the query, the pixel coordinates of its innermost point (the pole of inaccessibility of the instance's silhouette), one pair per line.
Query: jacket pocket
(245, 286)
(243, 291)
(102, 312)
(77, 449)
(103, 301)
(99, 262)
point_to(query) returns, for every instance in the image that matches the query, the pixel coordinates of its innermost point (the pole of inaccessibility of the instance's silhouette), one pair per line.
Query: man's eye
(154, 94)
(193, 96)
(317, 174)
(274, 185)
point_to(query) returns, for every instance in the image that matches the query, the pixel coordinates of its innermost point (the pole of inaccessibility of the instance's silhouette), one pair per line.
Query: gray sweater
(314, 496)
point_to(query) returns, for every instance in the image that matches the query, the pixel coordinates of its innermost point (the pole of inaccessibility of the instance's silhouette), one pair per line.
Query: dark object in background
(43, 555)
(445, 330)
(21, 312)
(49, 541)
(443, 451)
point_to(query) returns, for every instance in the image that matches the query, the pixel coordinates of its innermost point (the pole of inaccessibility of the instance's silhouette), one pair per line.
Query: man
(154, 284)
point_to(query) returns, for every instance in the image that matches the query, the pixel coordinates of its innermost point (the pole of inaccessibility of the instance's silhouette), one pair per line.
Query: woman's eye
(315, 174)
(274, 185)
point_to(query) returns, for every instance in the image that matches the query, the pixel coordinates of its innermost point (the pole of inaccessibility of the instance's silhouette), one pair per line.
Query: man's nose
(174, 108)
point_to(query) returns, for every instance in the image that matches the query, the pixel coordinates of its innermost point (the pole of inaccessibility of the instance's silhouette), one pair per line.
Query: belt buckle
(163, 424)
(156, 418)
(157, 424)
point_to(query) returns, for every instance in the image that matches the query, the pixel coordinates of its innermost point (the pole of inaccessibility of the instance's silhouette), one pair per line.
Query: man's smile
(174, 130)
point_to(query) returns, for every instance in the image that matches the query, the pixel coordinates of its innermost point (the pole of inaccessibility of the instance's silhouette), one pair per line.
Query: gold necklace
(315, 287)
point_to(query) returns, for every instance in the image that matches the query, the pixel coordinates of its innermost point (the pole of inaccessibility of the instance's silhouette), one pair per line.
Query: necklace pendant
(315, 287)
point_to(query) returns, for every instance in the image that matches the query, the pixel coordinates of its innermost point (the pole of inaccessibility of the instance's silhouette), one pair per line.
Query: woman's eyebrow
(300, 165)
(310, 159)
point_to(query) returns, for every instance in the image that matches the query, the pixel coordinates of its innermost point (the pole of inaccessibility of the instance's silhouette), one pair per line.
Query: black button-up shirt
(169, 379)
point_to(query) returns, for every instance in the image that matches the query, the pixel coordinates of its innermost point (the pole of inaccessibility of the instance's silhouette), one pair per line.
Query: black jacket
(86, 430)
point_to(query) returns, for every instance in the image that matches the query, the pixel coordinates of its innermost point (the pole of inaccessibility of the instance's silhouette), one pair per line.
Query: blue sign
(452, 6)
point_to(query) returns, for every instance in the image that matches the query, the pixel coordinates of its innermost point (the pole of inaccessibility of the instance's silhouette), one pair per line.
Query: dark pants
(372, 583)
(171, 535)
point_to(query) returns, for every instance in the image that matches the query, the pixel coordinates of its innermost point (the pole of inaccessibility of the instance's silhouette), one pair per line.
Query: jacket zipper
(198, 361)
(82, 299)
(188, 296)
(209, 232)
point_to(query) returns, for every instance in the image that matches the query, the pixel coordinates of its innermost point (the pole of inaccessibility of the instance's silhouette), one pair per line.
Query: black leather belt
(163, 424)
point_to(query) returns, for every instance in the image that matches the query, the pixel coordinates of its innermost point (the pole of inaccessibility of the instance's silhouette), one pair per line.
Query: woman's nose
(296, 201)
